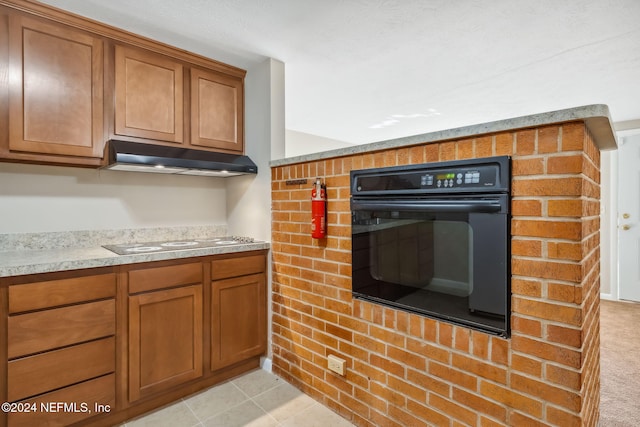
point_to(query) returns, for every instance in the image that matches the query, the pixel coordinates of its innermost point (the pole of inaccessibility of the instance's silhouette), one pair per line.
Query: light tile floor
(256, 399)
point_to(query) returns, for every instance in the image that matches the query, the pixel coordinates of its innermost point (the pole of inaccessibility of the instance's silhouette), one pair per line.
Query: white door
(629, 218)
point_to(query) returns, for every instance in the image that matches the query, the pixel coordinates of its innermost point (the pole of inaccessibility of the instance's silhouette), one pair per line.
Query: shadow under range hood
(138, 157)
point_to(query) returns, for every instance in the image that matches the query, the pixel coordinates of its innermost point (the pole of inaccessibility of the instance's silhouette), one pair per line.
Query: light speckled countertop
(32, 253)
(596, 118)
(18, 263)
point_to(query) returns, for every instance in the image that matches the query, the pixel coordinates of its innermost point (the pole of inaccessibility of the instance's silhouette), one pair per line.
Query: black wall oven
(434, 239)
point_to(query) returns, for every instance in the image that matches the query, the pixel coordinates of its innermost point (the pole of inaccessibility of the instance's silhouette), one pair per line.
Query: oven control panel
(459, 178)
(440, 180)
(488, 175)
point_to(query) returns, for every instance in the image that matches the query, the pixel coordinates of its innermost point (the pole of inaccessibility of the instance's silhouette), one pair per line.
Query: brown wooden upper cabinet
(68, 85)
(55, 93)
(153, 102)
(217, 109)
(148, 95)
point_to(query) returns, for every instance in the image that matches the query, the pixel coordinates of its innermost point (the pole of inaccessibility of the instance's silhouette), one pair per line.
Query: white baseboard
(265, 364)
(608, 297)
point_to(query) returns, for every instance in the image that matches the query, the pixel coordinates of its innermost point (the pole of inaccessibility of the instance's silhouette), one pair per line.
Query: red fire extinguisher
(318, 210)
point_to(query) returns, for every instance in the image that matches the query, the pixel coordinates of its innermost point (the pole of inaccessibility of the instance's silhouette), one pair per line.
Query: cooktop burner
(173, 245)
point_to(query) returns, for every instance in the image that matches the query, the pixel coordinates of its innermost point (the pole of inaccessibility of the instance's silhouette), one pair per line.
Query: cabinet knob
(626, 215)
(626, 227)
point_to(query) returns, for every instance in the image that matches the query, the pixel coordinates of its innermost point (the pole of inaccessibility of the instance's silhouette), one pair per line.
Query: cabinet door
(239, 326)
(165, 339)
(149, 95)
(217, 109)
(56, 90)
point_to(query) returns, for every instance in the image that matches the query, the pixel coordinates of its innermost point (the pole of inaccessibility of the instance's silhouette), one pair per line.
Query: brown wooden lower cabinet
(238, 309)
(165, 339)
(238, 315)
(97, 347)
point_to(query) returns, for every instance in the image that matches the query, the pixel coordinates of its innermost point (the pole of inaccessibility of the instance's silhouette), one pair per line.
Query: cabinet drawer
(96, 394)
(239, 266)
(39, 295)
(45, 330)
(164, 277)
(44, 372)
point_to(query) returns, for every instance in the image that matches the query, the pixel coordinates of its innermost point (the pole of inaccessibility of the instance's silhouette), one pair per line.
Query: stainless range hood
(137, 157)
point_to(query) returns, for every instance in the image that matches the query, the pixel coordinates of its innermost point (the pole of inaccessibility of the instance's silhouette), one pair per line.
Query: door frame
(609, 214)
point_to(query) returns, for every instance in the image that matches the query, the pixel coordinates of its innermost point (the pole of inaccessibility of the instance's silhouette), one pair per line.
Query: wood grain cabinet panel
(165, 340)
(238, 311)
(52, 293)
(149, 95)
(217, 110)
(33, 375)
(98, 395)
(237, 266)
(56, 91)
(49, 329)
(133, 339)
(148, 279)
(67, 85)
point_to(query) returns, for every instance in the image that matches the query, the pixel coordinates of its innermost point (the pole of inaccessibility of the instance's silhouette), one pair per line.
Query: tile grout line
(241, 390)
(248, 399)
(282, 383)
(278, 423)
(314, 402)
(264, 391)
(265, 411)
(184, 402)
(201, 421)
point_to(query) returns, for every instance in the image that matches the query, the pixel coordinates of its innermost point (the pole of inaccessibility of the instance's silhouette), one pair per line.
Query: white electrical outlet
(336, 364)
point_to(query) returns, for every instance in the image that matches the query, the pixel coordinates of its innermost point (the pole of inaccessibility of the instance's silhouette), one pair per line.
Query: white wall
(249, 197)
(300, 143)
(37, 198)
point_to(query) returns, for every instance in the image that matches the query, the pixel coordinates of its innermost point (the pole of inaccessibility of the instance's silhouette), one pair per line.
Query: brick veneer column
(408, 370)
(555, 267)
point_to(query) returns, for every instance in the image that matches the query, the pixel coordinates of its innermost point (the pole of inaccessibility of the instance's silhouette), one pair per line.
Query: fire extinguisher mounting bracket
(296, 181)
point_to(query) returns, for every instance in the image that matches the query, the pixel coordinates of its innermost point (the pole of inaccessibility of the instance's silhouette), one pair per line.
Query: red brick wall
(407, 370)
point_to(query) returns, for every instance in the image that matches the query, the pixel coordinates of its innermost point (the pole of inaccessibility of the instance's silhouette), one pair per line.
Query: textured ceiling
(367, 70)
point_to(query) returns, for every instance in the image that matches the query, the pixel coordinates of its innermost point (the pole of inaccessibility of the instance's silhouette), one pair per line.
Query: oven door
(443, 257)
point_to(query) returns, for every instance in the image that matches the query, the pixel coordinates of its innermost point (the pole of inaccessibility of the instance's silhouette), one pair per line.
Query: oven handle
(432, 206)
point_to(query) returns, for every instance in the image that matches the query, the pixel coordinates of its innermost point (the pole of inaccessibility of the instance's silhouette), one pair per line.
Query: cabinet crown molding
(119, 35)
